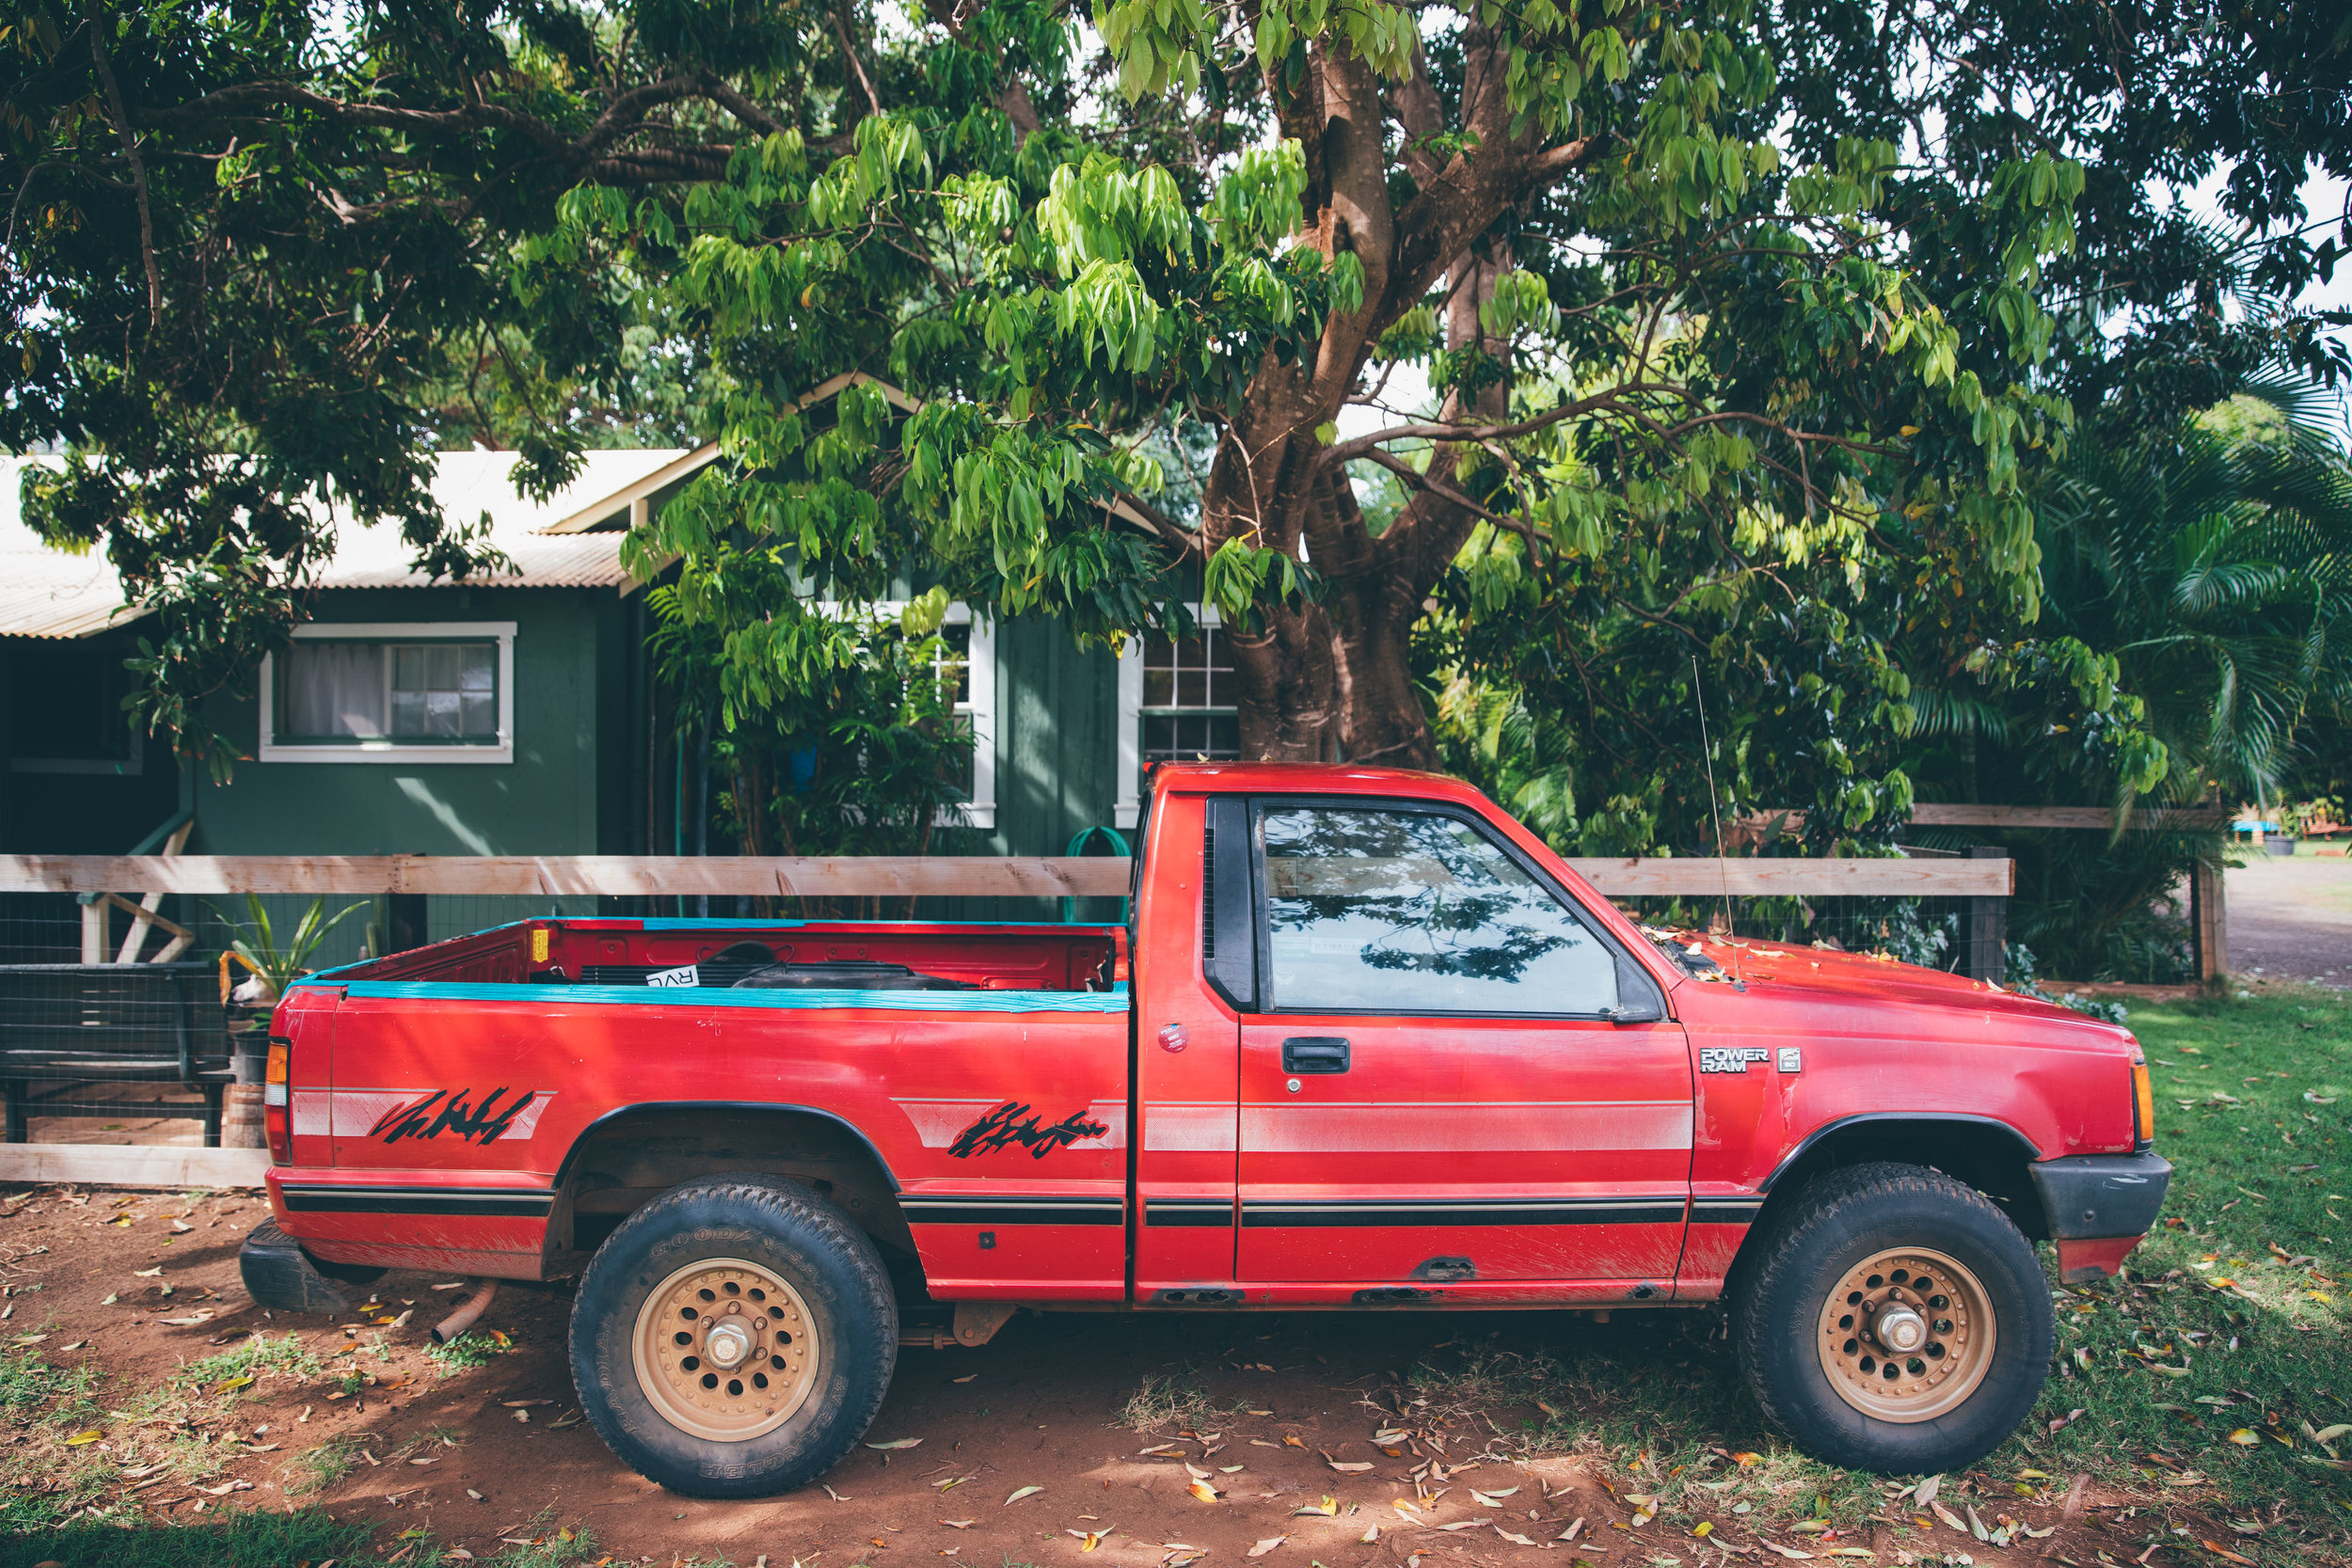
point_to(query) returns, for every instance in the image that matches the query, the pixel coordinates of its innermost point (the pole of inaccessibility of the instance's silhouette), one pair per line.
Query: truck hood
(1826, 975)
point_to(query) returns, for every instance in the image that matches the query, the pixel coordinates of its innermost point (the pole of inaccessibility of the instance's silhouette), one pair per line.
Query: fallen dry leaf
(1088, 1540)
(1329, 1509)
(897, 1443)
(1023, 1492)
(1273, 1540)
(1203, 1491)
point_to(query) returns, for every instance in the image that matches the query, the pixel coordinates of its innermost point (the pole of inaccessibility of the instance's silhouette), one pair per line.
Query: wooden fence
(926, 876)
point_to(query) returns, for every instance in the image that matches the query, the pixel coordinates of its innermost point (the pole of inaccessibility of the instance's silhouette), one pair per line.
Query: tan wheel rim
(725, 1350)
(1907, 1334)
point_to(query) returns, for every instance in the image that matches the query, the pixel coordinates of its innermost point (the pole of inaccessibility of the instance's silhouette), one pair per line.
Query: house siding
(544, 803)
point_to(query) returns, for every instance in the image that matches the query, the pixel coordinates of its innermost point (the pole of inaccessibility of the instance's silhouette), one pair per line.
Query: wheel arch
(632, 1153)
(1987, 1153)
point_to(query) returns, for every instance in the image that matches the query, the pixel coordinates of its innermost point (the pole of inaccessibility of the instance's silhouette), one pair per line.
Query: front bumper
(2098, 1207)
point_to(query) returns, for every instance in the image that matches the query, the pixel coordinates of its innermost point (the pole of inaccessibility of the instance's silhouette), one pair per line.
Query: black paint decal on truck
(1004, 1126)
(473, 1123)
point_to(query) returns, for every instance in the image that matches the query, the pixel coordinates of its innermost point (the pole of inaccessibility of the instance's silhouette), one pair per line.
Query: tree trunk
(1333, 680)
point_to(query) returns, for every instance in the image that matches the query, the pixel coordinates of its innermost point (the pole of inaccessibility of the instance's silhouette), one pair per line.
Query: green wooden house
(516, 714)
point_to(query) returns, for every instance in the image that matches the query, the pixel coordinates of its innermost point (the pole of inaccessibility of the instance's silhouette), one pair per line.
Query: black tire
(802, 1241)
(1832, 1225)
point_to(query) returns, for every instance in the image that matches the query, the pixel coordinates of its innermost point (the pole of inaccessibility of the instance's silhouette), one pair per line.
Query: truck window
(1391, 910)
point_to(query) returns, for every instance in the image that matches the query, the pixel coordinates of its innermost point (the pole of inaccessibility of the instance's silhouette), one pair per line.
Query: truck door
(1448, 1073)
(1197, 866)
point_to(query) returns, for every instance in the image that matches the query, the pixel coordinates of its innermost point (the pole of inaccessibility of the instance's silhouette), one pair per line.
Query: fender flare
(764, 1107)
(2025, 1146)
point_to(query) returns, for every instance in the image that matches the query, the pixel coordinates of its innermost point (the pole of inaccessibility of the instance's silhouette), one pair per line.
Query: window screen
(1386, 911)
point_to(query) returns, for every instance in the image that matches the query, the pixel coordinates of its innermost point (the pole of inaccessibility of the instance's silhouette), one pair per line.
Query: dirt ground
(496, 1453)
(2291, 918)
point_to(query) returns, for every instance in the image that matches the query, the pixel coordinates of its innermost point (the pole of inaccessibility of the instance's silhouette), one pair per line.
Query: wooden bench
(64, 1027)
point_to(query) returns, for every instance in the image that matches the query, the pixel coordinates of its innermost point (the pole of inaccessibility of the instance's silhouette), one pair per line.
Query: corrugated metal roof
(48, 593)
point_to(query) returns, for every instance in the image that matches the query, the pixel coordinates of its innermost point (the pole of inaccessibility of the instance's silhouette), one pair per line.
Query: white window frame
(502, 632)
(979, 706)
(1127, 806)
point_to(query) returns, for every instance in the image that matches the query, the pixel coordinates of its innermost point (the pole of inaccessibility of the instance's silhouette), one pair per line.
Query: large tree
(1770, 277)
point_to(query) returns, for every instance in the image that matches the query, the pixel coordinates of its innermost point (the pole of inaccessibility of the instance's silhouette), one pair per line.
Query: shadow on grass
(250, 1540)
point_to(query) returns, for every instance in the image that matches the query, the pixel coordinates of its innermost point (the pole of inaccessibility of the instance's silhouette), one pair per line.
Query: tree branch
(1439, 488)
(138, 167)
(1363, 446)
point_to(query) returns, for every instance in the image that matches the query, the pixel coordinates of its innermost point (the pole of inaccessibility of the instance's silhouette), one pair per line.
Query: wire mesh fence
(115, 1045)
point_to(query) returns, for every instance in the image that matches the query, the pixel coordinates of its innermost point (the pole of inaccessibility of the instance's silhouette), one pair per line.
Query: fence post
(1988, 924)
(2209, 920)
(96, 919)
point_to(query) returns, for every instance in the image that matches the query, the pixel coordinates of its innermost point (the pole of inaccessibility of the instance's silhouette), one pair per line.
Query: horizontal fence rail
(2101, 819)
(931, 876)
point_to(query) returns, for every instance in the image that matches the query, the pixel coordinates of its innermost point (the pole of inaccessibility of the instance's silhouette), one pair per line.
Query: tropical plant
(255, 941)
(851, 745)
(2216, 560)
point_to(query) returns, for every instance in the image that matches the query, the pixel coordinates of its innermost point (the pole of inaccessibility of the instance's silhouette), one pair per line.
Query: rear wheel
(733, 1338)
(1894, 1320)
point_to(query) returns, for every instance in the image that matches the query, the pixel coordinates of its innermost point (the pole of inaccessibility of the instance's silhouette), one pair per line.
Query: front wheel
(1894, 1320)
(733, 1338)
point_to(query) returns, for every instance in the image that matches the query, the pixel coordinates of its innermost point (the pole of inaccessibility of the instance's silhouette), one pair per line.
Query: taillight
(276, 1115)
(2143, 1102)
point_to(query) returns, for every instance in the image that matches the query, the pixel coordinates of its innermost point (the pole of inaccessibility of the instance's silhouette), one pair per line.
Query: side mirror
(1639, 1000)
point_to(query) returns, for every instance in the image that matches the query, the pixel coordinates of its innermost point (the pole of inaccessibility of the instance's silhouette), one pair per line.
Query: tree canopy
(1750, 331)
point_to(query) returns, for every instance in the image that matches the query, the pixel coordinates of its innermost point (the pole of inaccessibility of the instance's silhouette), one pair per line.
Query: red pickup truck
(1367, 1045)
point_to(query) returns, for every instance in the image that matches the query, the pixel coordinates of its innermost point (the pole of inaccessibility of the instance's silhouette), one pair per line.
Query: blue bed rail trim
(721, 996)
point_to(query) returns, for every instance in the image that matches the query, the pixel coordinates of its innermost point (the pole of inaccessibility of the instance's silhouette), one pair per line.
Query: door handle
(1303, 1053)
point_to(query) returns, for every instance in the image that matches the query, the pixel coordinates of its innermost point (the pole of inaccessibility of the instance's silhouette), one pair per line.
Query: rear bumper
(2098, 1207)
(279, 1275)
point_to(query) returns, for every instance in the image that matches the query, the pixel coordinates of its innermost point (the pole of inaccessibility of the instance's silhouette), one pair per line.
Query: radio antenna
(1722, 863)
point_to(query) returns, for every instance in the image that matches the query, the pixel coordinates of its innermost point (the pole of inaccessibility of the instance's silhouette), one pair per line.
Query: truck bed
(499, 1093)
